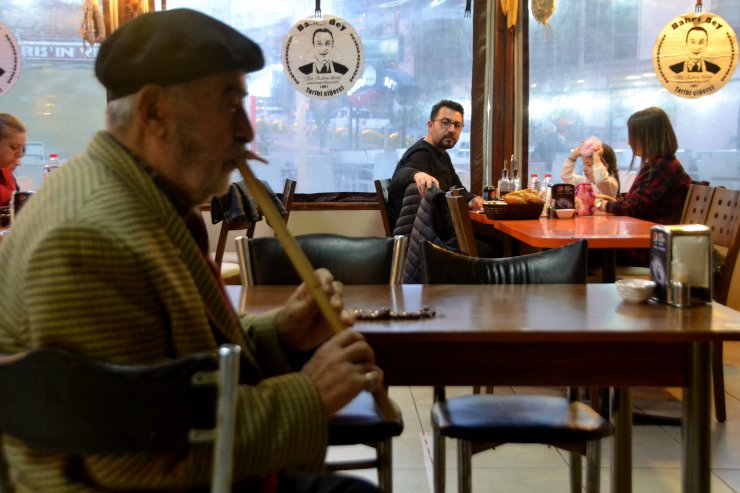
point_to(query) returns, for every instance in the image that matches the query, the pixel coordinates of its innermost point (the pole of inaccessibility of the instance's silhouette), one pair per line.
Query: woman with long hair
(661, 184)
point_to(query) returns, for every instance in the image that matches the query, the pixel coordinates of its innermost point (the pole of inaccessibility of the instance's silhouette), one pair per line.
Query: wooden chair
(229, 264)
(723, 218)
(483, 421)
(352, 260)
(381, 195)
(695, 210)
(55, 400)
(461, 222)
(696, 205)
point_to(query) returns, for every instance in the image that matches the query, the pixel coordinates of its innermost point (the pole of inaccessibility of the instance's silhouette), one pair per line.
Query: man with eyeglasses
(427, 163)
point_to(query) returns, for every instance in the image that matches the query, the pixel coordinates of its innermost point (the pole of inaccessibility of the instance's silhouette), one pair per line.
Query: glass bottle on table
(546, 194)
(51, 165)
(546, 183)
(534, 182)
(504, 184)
(516, 182)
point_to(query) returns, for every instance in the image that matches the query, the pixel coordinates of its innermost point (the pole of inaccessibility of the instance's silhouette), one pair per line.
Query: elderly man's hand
(424, 181)
(300, 323)
(341, 368)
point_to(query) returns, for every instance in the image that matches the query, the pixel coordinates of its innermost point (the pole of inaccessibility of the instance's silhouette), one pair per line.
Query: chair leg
(438, 451)
(593, 466)
(575, 472)
(385, 465)
(718, 381)
(464, 467)
(221, 245)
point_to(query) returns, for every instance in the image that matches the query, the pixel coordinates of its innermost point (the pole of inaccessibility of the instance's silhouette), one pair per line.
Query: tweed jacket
(101, 263)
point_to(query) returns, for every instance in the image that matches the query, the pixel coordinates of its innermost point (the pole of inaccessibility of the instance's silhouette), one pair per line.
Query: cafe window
(592, 68)
(416, 53)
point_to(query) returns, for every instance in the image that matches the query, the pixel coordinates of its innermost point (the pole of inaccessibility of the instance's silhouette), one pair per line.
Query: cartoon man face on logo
(323, 46)
(323, 57)
(697, 39)
(687, 52)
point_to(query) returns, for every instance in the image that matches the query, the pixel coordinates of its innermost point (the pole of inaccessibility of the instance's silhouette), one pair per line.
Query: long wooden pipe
(303, 266)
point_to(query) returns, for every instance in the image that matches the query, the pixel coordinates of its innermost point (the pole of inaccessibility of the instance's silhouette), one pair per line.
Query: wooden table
(605, 232)
(547, 335)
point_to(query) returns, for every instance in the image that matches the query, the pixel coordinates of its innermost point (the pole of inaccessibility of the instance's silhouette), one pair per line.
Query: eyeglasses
(446, 123)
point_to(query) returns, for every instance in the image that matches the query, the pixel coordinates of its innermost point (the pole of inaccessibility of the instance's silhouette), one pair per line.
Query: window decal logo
(323, 57)
(10, 60)
(695, 55)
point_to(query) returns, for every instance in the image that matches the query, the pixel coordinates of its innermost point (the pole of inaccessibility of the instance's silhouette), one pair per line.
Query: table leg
(609, 265)
(622, 441)
(696, 453)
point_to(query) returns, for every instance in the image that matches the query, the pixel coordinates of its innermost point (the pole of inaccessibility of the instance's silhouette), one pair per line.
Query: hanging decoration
(322, 57)
(542, 10)
(92, 27)
(468, 8)
(510, 8)
(695, 54)
(137, 7)
(10, 60)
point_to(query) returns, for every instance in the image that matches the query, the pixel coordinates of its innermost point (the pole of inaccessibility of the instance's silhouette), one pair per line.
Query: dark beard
(447, 143)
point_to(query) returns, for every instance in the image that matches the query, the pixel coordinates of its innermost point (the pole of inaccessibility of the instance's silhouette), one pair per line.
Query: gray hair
(119, 112)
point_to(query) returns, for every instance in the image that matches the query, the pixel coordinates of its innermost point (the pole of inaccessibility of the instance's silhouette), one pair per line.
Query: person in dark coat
(427, 163)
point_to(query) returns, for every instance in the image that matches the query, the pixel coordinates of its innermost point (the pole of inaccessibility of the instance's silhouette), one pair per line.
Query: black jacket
(422, 156)
(424, 218)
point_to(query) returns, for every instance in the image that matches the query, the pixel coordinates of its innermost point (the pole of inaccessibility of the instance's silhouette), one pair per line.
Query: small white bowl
(635, 290)
(565, 213)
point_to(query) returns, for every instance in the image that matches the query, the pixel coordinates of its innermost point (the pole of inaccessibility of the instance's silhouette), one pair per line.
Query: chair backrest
(248, 227)
(723, 219)
(59, 401)
(223, 234)
(696, 206)
(381, 196)
(564, 265)
(287, 196)
(352, 260)
(461, 222)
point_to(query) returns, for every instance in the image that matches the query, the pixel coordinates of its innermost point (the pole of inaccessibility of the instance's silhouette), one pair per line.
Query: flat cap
(171, 47)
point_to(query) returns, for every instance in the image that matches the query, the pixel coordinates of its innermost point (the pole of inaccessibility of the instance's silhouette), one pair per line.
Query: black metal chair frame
(483, 421)
(59, 401)
(360, 422)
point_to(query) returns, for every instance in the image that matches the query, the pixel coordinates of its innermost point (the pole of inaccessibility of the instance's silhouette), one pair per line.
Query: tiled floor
(538, 468)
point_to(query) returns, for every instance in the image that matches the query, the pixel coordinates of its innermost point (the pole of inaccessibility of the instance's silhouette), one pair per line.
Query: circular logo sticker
(323, 57)
(10, 60)
(695, 55)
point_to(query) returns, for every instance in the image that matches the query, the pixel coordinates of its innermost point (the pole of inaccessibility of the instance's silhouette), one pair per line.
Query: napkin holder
(681, 255)
(562, 196)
